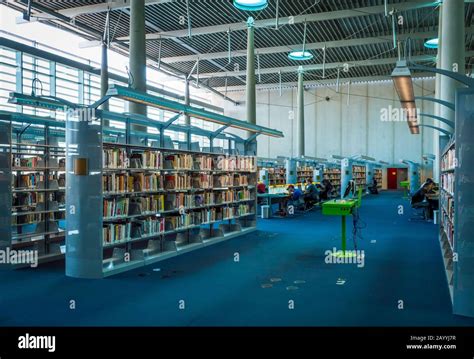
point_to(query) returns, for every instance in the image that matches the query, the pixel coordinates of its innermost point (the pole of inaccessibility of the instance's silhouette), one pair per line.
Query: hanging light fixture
(403, 83)
(301, 55)
(250, 5)
(432, 43)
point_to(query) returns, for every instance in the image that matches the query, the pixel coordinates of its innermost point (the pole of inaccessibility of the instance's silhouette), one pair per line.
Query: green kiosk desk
(406, 186)
(343, 208)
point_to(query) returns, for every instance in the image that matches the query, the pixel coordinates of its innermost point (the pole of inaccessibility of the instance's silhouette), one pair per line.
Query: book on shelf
(32, 180)
(177, 181)
(112, 233)
(116, 207)
(27, 162)
(203, 163)
(243, 194)
(447, 182)
(223, 181)
(114, 158)
(147, 159)
(151, 225)
(176, 200)
(241, 180)
(202, 181)
(448, 159)
(178, 162)
(151, 204)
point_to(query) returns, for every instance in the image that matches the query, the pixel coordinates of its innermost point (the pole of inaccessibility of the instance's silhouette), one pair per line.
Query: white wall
(339, 126)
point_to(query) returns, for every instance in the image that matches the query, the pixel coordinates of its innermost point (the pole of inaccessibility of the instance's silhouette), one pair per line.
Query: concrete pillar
(452, 52)
(300, 109)
(104, 76)
(187, 118)
(250, 85)
(137, 52)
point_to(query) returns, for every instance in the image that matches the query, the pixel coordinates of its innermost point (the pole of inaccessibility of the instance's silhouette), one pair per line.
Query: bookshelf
(456, 206)
(334, 175)
(149, 203)
(304, 173)
(378, 177)
(277, 176)
(446, 204)
(272, 174)
(35, 192)
(359, 176)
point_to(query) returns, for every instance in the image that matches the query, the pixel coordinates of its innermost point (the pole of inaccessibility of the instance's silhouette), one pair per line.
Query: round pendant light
(250, 5)
(299, 55)
(431, 43)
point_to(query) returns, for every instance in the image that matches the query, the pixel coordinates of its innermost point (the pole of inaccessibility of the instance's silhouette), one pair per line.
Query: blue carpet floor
(402, 263)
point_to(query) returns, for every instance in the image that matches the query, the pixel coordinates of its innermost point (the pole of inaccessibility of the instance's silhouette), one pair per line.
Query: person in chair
(418, 199)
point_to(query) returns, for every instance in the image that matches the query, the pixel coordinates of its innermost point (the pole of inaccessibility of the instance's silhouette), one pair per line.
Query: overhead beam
(316, 67)
(314, 17)
(310, 46)
(119, 46)
(103, 7)
(326, 82)
(182, 43)
(18, 46)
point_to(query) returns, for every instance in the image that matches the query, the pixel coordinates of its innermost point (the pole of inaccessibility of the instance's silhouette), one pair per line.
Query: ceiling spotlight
(300, 55)
(432, 43)
(250, 5)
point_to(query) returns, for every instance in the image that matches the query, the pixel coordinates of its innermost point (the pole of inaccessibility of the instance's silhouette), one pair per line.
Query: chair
(421, 211)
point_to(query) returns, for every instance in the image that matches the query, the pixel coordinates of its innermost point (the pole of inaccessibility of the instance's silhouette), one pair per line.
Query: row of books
(116, 207)
(28, 180)
(146, 159)
(203, 163)
(235, 163)
(447, 203)
(448, 160)
(149, 204)
(447, 182)
(30, 162)
(135, 182)
(116, 232)
(177, 181)
(356, 168)
(277, 175)
(112, 233)
(179, 162)
(178, 200)
(115, 158)
(152, 225)
(448, 227)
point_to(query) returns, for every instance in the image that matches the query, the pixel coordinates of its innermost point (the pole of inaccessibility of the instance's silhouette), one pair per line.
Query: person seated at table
(419, 197)
(310, 194)
(326, 189)
(373, 189)
(261, 188)
(294, 195)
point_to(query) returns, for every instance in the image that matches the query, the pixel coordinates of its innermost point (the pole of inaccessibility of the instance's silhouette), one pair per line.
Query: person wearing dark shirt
(373, 189)
(326, 188)
(311, 194)
(420, 195)
(295, 193)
